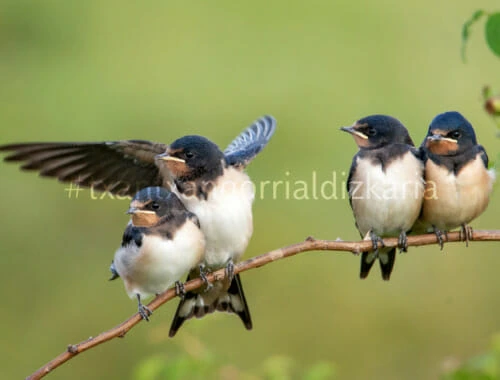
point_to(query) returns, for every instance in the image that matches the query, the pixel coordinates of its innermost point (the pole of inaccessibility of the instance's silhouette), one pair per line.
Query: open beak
(167, 157)
(353, 131)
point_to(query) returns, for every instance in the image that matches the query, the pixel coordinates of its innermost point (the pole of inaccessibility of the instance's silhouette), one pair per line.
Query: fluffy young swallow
(385, 186)
(211, 184)
(161, 243)
(458, 182)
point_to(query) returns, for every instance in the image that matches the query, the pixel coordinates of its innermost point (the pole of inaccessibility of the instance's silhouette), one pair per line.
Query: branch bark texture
(310, 244)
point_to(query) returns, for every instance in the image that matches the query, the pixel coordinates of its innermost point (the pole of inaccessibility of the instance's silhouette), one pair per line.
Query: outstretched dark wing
(250, 142)
(119, 167)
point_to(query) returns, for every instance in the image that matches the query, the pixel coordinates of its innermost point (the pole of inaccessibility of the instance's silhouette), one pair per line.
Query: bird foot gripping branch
(403, 242)
(203, 276)
(466, 233)
(439, 235)
(180, 291)
(144, 311)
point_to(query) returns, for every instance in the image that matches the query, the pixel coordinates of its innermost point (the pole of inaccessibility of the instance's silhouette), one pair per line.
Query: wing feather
(250, 142)
(120, 167)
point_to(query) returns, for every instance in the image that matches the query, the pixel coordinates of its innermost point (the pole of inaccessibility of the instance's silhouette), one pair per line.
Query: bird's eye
(189, 154)
(155, 205)
(455, 135)
(371, 131)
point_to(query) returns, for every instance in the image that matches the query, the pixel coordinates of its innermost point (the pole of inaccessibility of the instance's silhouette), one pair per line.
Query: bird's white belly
(387, 202)
(159, 263)
(225, 218)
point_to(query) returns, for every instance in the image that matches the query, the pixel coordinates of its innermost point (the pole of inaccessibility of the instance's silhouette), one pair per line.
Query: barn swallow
(385, 186)
(458, 182)
(162, 242)
(211, 184)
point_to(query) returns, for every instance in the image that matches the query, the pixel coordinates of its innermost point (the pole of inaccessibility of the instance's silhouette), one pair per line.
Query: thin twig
(310, 244)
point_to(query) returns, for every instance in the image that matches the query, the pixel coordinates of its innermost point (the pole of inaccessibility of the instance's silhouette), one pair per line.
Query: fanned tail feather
(386, 260)
(198, 305)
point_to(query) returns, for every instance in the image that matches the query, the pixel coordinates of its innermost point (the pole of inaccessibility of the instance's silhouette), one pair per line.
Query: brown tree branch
(310, 244)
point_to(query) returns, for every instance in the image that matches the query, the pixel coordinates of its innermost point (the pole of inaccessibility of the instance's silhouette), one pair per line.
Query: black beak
(435, 137)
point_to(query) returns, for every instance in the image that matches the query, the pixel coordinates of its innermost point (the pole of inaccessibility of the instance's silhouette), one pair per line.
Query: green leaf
(493, 33)
(466, 29)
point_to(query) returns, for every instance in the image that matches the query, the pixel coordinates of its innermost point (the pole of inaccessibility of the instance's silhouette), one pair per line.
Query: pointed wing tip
(251, 141)
(11, 146)
(11, 158)
(270, 124)
(21, 145)
(10, 149)
(269, 118)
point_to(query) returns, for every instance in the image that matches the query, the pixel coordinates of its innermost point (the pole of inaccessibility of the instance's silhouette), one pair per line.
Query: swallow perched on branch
(162, 242)
(211, 184)
(458, 182)
(385, 187)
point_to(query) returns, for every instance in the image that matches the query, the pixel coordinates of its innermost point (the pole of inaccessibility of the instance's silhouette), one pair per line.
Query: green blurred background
(100, 70)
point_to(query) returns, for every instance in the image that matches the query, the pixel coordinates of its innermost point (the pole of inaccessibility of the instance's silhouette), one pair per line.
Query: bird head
(377, 131)
(449, 134)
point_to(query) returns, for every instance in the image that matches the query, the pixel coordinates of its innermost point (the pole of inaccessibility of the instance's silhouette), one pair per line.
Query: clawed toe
(403, 242)
(144, 311)
(230, 270)
(377, 242)
(203, 276)
(466, 233)
(180, 291)
(439, 235)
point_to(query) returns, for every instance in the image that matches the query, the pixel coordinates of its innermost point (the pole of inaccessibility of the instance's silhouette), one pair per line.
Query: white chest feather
(452, 200)
(225, 217)
(158, 263)
(389, 201)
